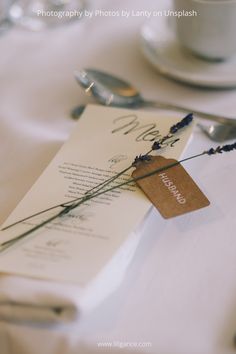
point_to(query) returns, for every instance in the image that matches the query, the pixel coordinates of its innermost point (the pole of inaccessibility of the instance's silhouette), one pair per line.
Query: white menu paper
(75, 247)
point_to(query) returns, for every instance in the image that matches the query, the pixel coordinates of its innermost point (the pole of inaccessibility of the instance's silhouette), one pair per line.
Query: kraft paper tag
(172, 191)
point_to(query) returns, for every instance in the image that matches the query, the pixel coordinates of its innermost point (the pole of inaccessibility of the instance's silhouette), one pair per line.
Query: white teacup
(211, 32)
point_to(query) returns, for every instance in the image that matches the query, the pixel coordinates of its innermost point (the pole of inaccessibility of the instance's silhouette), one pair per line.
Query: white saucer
(162, 50)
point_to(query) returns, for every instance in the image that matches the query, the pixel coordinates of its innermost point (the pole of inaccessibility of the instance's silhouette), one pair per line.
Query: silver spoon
(112, 91)
(219, 132)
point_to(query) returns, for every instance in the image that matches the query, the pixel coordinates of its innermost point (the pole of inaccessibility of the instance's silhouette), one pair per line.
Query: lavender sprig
(141, 158)
(211, 151)
(220, 149)
(156, 146)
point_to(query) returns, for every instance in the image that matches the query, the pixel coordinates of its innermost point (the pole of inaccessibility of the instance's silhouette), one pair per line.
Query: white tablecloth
(179, 292)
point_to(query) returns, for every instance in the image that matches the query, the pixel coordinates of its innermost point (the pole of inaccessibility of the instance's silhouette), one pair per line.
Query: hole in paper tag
(172, 191)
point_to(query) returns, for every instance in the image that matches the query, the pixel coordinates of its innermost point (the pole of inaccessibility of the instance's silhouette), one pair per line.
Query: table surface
(179, 292)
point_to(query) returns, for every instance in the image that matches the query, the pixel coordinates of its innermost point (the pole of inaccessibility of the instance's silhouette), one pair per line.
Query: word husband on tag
(172, 190)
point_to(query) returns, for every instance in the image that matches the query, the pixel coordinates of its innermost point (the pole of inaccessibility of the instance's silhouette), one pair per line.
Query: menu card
(75, 247)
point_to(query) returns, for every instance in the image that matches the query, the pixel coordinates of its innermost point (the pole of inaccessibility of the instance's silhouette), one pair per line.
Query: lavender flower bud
(183, 123)
(220, 149)
(141, 158)
(174, 129)
(156, 146)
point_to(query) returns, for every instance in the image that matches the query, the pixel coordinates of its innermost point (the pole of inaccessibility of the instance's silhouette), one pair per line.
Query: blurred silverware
(112, 91)
(219, 132)
(77, 111)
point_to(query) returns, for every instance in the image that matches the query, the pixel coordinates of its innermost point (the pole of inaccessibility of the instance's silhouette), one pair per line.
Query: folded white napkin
(32, 300)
